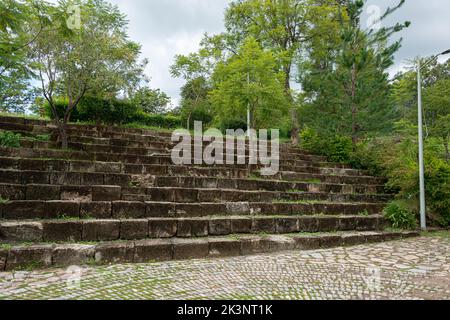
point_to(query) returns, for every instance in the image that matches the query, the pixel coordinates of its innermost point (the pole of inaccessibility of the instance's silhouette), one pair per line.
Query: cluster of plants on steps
(112, 111)
(9, 139)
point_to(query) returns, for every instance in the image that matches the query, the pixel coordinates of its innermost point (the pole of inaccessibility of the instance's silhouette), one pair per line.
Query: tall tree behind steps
(282, 26)
(352, 97)
(94, 56)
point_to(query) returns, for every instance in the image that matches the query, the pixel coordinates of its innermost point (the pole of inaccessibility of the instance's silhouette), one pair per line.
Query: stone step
(25, 177)
(144, 251)
(43, 164)
(133, 159)
(39, 209)
(327, 178)
(16, 192)
(30, 164)
(138, 229)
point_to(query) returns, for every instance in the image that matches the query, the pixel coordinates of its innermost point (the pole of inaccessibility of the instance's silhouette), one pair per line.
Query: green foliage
(335, 148)
(9, 139)
(150, 101)
(400, 216)
(157, 120)
(113, 111)
(249, 80)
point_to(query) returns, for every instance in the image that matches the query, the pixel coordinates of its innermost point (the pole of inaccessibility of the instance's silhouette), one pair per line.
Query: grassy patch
(4, 200)
(437, 234)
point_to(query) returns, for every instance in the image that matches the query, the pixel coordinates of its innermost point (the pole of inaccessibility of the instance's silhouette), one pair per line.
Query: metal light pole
(423, 208)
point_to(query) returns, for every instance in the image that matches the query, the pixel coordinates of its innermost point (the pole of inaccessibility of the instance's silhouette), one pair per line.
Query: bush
(336, 148)
(114, 111)
(400, 216)
(156, 120)
(9, 139)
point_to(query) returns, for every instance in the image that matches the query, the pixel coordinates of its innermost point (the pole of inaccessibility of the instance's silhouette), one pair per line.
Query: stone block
(241, 225)
(192, 228)
(73, 254)
(163, 228)
(152, 250)
(127, 210)
(219, 227)
(134, 229)
(224, 248)
(70, 231)
(106, 193)
(114, 253)
(101, 230)
(287, 225)
(266, 225)
(21, 231)
(29, 257)
(57, 209)
(96, 210)
(190, 249)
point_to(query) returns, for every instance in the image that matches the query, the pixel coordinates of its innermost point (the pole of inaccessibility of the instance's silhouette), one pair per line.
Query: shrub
(9, 139)
(336, 148)
(400, 216)
(113, 111)
(157, 120)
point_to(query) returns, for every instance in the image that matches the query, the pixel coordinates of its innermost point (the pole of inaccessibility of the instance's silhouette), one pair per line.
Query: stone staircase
(116, 197)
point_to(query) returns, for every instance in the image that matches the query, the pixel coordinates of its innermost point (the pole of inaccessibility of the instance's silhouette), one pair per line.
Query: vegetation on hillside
(348, 108)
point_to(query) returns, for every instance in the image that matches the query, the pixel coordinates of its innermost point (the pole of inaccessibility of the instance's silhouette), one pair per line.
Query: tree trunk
(294, 116)
(63, 138)
(354, 106)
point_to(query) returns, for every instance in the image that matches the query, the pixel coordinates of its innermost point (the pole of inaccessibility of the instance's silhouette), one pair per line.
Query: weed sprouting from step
(364, 213)
(4, 200)
(9, 139)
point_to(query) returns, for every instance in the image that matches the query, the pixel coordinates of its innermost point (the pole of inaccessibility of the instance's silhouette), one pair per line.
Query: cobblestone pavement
(412, 269)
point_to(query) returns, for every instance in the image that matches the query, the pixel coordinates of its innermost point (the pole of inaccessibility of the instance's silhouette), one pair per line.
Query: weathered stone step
(16, 192)
(58, 255)
(138, 229)
(29, 164)
(19, 210)
(327, 178)
(171, 170)
(133, 159)
(127, 180)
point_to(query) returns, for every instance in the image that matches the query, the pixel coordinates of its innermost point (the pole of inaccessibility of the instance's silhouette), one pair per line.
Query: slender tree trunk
(294, 115)
(354, 106)
(63, 138)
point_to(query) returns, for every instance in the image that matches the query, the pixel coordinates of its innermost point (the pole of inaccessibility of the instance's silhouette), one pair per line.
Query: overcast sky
(169, 27)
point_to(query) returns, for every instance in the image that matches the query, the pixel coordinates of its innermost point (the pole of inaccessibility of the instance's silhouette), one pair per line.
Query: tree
(282, 26)
(16, 33)
(97, 58)
(352, 95)
(249, 79)
(436, 98)
(150, 100)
